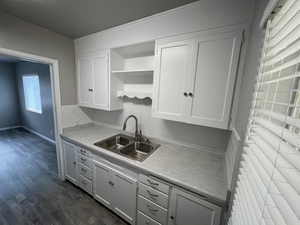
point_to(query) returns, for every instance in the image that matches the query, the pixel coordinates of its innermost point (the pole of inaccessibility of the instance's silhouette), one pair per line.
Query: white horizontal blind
(268, 188)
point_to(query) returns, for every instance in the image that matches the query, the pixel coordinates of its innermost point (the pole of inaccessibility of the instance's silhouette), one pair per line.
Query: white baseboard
(9, 128)
(40, 135)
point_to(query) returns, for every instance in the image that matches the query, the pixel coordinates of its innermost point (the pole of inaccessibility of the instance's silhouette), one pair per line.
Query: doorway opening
(36, 101)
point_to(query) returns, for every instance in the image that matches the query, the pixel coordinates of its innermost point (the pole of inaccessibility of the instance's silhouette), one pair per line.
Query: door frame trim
(56, 98)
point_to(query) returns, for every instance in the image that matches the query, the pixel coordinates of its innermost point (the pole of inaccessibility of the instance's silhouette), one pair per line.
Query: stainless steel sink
(139, 150)
(128, 147)
(115, 143)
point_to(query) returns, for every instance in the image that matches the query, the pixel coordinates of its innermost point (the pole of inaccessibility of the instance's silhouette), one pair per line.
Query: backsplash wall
(174, 132)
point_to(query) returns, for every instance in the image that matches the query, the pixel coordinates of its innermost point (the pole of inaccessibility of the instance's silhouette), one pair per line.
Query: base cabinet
(70, 162)
(115, 190)
(186, 208)
(124, 195)
(152, 202)
(102, 184)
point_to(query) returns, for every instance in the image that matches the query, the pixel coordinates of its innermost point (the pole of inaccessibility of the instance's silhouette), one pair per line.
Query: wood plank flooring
(31, 193)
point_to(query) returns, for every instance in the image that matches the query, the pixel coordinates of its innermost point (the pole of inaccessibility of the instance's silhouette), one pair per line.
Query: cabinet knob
(172, 217)
(90, 89)
(185, 94)
(74, 162)
(191, 94)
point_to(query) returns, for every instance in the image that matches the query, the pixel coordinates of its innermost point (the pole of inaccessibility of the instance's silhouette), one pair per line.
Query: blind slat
(268, 190)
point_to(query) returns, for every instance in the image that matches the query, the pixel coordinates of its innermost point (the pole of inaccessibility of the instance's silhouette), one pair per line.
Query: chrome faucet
(138, 135)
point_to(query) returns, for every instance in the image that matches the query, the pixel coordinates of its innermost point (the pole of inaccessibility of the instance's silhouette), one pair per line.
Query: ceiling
(76, 18)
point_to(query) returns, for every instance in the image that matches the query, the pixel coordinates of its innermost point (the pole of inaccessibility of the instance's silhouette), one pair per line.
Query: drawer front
(154, 183)
(85, 161)
(153, 195)
(85, 184)
(152, 210)
(142, 219)
(84, 152)
(85, 171)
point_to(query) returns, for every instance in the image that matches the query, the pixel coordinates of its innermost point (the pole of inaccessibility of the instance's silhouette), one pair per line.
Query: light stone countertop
(196, 170)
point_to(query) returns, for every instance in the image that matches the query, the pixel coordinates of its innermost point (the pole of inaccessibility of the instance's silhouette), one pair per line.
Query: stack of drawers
(85, 172)
(153, 201)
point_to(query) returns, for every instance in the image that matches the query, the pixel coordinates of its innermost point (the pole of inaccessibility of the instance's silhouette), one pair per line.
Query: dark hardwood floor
(31, 193)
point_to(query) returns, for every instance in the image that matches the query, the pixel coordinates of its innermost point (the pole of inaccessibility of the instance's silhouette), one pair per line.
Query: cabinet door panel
(85, 82)
(214, 80)
(102, 181)
(70, 162)
(100, 73)
(174, 66)
(125, 191)
(188, 209)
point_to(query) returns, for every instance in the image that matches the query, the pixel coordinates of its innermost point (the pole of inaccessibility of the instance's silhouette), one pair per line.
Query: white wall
(197, 16)
(175, 132)
(200, 15)
(18, 35)
(252, 59)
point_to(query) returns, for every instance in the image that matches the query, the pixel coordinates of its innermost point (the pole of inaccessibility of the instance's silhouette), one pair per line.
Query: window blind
(268, 186)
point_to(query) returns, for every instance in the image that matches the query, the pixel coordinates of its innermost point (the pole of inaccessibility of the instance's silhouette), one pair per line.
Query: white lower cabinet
(124, 195)
(70, 162)
(145, 220)
(102, 184)
(186, 208)
(155, 202)
(78, 166)
(116, 190)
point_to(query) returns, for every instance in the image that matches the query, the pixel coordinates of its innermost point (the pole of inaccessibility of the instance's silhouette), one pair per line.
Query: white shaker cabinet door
(101, 81)
(189, 209)
(173, 69)
(85, 81)
(213, 84)
(70, 162)
(103, 184)
(125, 192)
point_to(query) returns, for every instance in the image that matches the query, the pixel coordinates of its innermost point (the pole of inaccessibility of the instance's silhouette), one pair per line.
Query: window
(268, 186)
(32, 94)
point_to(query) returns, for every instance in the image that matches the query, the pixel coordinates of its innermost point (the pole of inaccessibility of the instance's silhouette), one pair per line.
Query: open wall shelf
(132, 68)
(134, 72)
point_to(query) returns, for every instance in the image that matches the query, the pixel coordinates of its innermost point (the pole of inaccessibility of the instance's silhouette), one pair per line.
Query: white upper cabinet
(85, 82)
(101, 82)
(93, 73)
(195, 76)
(174, 65)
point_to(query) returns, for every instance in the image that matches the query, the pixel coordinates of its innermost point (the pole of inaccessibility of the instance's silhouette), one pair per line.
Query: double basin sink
(127, 146)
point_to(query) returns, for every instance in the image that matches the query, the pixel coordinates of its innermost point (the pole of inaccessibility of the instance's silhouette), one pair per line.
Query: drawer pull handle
(111, 183)
(151, 209)
(74, 163)
(152, 183)
(152, 195)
